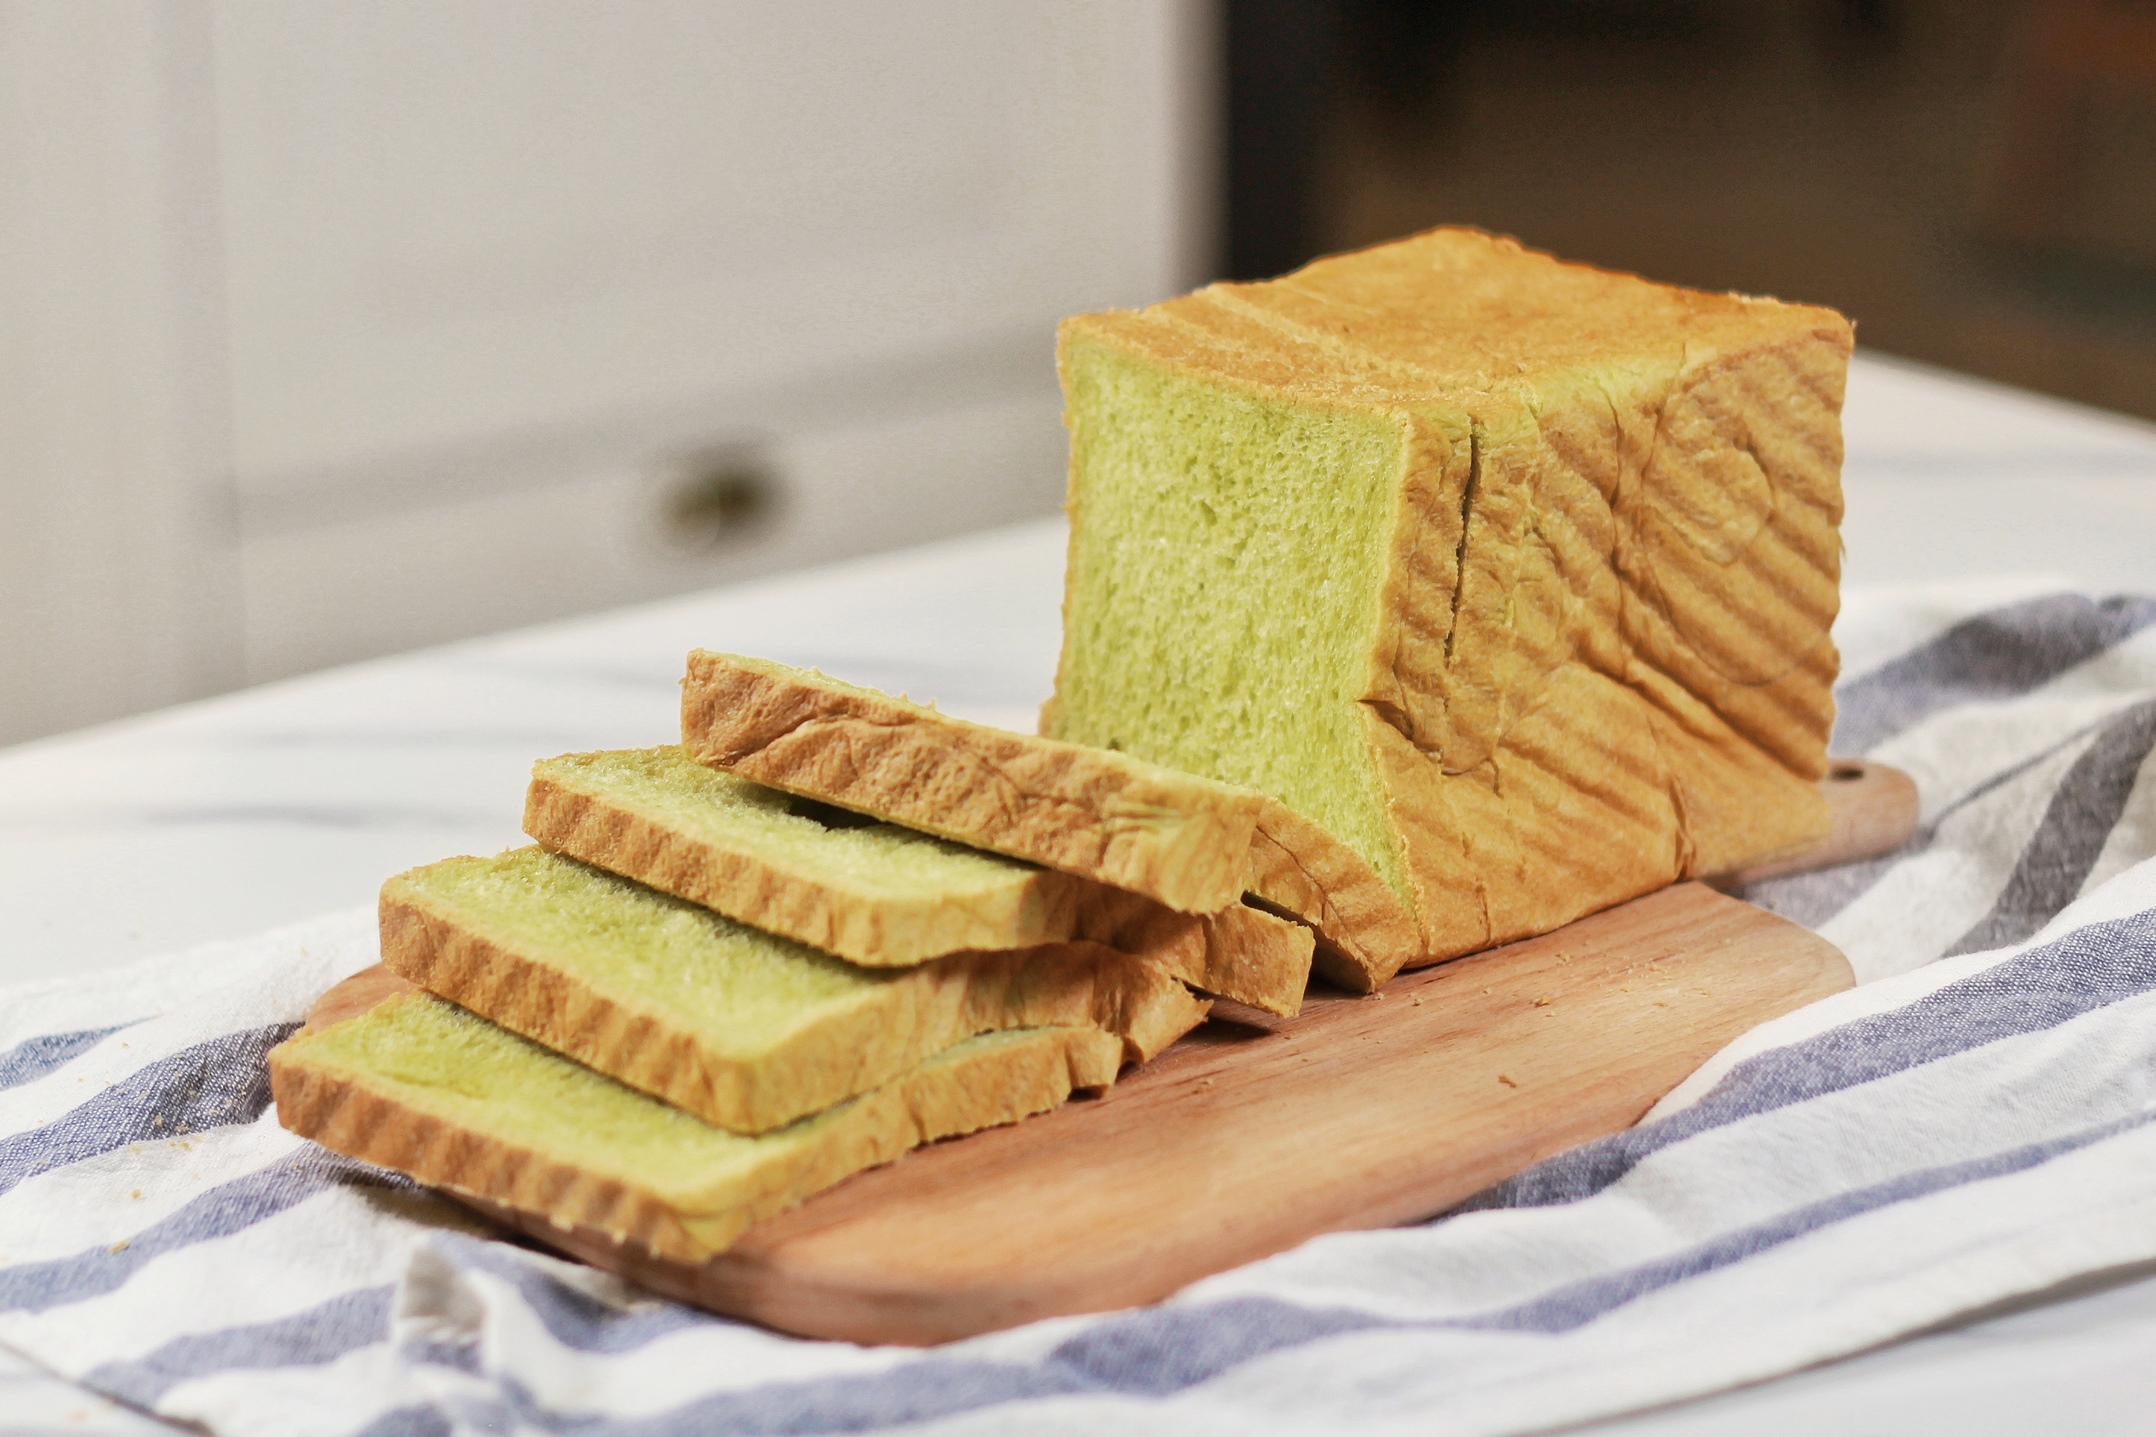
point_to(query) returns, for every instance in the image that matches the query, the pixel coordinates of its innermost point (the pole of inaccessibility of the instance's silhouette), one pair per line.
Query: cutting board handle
(1874, 811)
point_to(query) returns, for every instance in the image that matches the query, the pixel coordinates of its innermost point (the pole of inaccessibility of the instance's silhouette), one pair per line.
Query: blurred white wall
(328, 330)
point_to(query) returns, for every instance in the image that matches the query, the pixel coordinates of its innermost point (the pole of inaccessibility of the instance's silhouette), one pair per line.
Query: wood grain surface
(1256, 1132)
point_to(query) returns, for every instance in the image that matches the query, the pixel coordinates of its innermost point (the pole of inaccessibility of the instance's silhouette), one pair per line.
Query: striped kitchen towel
(1972, 1123)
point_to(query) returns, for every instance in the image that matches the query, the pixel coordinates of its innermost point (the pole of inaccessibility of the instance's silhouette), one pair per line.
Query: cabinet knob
(719, 499)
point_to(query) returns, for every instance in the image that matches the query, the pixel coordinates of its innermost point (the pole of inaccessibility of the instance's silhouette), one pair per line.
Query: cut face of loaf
(1171, 836)
(875, 893)
(744, 1029)
(1512, 576)
(455, 1102)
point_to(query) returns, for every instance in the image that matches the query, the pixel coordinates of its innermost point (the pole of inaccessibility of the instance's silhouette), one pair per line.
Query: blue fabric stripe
(2070, 837)
(324, 1333)
(33, 1058)
(213, 1084)
(409, 1422)
(222, 1211)
(573, 1318)
(1992, 656)
(2086, 969)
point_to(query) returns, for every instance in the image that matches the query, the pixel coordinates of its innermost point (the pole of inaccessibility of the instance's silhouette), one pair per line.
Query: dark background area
(1973, 181)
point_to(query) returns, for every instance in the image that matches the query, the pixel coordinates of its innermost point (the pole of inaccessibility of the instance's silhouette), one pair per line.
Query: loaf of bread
(875, 893)
(1513, 576)
(744, 1029)
(454, 1101)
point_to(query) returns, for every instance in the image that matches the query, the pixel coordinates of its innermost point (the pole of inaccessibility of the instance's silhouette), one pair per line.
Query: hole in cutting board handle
(1874, 811)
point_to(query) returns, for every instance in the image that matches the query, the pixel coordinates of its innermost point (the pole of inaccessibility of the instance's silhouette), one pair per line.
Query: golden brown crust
(1433, 318)
(342, 1112)
(1257, 958)
(1101, 815)
(844, 1053)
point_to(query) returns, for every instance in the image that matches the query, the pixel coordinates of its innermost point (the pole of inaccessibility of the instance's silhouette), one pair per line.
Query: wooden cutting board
(1255, 1133)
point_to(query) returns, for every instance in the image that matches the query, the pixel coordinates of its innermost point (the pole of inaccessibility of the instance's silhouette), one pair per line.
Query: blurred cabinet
(475, 313)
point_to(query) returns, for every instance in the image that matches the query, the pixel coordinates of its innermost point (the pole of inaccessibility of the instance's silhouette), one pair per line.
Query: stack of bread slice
(699, 999)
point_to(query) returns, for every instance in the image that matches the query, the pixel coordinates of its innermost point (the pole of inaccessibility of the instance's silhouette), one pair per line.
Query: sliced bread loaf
(745, 1029)
(875, 893)
(451, 1100)
(1514, 577)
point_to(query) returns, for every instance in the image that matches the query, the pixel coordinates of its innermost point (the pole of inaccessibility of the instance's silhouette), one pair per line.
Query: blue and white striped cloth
(1973, 1123)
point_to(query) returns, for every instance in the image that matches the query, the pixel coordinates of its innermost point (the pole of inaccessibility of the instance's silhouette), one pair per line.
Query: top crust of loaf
(1435, 317)
(1172, 836)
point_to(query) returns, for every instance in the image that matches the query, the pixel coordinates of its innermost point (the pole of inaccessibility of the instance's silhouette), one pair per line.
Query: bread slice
(1126, 823)
(742, 1028)
(1513, 577)
(875, 893)
(456, 1102)
(884, 756)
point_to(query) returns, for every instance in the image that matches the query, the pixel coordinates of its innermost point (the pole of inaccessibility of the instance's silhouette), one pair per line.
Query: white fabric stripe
(1838, 1291)
(1923, 904)
(80, 1206)
(33, 1400)
(1724, 1180)
(238, 991)
(326, 1401)
(375, 1234)
(1955, 751)
(1954, 755)
(343, 941)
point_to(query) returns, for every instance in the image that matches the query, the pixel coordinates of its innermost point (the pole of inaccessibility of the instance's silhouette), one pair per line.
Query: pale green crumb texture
(1225, 562)
(742, 991)
(823, 845)
(428, 1054)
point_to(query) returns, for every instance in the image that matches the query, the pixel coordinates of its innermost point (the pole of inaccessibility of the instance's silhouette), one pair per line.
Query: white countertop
(223, 818)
